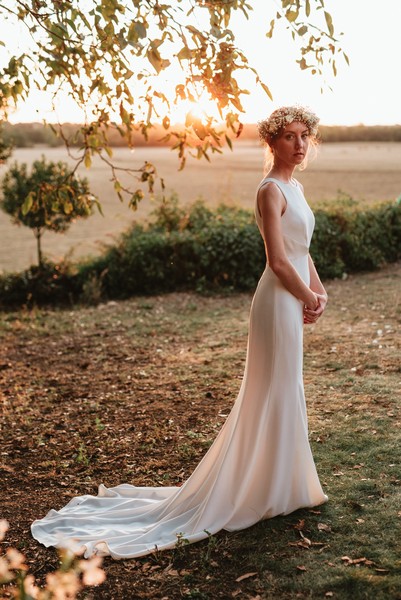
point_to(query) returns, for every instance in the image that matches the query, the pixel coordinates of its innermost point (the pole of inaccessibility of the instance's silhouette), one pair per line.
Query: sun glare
(201, 109)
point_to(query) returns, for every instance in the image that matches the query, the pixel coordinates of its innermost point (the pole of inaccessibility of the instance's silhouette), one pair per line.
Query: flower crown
(282, 117)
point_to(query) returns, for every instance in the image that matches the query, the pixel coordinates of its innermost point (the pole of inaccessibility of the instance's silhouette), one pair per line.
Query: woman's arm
(271, 204)
(311, 316)
(315, 284)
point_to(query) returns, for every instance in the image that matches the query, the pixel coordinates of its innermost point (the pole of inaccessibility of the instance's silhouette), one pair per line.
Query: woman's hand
(312, 315)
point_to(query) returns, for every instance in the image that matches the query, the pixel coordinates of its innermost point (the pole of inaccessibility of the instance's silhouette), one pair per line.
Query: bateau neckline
(293, 182)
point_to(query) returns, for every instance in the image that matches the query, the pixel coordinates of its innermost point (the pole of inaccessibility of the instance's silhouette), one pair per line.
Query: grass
(135, 391)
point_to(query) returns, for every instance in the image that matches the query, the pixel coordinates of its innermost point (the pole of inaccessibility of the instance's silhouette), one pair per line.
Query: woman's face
(291, 145)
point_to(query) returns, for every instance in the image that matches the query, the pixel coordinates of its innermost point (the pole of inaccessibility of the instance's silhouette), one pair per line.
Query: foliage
(184, 248)
(5, 146)
(63, 584)
(207, 250)
(202, 249)
(349, 238)
(128, 63)
(48, 284)
(50, 197)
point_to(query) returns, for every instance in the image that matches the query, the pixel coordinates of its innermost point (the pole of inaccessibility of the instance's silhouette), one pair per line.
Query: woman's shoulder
(269, 184)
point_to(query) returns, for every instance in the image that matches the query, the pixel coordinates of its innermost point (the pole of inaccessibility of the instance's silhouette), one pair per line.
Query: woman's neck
(281, 173)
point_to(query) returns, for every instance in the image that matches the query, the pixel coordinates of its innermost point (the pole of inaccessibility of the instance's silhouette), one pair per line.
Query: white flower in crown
(284, 116)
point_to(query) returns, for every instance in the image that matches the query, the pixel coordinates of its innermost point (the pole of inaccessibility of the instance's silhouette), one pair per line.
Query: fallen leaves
(305, 542)
(365, 562)
(245, 576)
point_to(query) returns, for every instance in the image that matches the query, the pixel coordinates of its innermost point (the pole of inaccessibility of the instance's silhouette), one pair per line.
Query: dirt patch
(135, 392)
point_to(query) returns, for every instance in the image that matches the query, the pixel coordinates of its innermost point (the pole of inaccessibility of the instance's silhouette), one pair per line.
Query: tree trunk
(38, 235)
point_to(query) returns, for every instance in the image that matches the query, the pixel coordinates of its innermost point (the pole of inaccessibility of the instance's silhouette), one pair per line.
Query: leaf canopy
(129, 63)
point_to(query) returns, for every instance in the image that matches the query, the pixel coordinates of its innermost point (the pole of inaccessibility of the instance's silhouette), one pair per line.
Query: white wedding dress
(260, 464)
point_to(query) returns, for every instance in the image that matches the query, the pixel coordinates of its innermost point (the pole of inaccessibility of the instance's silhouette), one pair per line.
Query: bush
(351, 239)
(202, 249)
(48, 284)
(183, 249)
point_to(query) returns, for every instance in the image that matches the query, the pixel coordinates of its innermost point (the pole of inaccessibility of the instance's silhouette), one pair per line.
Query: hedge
(201, 249)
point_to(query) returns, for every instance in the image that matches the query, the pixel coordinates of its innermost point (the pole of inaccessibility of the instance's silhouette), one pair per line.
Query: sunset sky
(368, 91)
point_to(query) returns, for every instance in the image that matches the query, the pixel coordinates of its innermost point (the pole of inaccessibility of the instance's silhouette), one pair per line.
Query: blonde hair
(271, 127)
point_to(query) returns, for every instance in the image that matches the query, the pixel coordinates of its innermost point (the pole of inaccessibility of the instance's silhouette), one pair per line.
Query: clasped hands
(311, 315)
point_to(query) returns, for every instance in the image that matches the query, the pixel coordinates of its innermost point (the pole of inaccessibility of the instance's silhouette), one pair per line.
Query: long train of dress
(260, 464)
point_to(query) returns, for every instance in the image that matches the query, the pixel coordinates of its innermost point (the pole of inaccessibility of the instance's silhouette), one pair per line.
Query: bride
(260, 464)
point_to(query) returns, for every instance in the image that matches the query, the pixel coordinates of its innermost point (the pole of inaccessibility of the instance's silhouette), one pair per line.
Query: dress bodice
(297, 221)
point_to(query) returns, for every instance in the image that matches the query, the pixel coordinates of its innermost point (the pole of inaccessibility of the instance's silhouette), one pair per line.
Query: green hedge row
(203, 249)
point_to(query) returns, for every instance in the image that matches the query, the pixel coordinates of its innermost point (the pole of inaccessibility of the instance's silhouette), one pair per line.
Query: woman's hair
(269, 129)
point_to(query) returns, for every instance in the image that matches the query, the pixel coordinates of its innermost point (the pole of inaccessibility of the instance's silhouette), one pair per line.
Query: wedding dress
(260, 464)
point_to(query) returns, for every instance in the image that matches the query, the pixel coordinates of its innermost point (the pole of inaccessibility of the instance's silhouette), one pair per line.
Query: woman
(260, 464)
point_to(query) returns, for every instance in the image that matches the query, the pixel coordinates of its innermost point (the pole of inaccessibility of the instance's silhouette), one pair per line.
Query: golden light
(201, 110)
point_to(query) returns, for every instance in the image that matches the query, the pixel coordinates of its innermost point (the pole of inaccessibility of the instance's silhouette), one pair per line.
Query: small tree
(50, 197)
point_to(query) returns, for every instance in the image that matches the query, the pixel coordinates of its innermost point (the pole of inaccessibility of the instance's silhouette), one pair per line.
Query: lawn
(135, 391)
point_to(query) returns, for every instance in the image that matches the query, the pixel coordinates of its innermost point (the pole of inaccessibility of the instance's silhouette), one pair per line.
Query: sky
(368, 91)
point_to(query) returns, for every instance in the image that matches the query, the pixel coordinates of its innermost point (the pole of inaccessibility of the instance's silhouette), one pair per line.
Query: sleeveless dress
(260, 464)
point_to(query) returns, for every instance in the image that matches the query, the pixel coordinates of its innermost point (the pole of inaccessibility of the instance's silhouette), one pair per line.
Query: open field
(367, 171)
(135, 391)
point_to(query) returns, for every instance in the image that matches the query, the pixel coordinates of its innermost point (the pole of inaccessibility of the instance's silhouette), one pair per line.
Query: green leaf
(302, 64)
(155, 59)
(199, 129)
(184, 54)
(141, 29)
(307, 7)
(266, 89)
(26, 207)
(292, 15)
(302, 30)
(87, 160)
(67, 208)
(229, 142)
(329, 22)
(269, 34)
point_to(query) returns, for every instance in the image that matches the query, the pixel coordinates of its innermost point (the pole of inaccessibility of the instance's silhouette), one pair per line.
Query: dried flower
(92, 573)
(5, 573)
(63, 585)
(30, 588)
(3, 528)
(15, 559)
(280, 118)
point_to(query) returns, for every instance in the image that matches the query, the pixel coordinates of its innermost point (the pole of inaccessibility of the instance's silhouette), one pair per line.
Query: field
(135, 392)
(368, 171)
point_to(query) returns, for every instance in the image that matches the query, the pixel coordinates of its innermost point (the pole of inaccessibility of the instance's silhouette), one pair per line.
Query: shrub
(202, 249)
(350, 239)
(48, 284)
